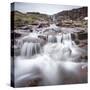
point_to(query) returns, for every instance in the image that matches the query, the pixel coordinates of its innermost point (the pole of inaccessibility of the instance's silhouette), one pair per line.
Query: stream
(48, 56)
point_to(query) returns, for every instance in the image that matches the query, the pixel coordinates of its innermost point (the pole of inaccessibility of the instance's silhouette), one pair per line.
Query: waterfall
(52, 39)
(58, 62)
(59, 38)
(62, 38)
(47, 71)
(30, 37)
(30, 49)
(62, 48)
(65, 39)
(53, 18)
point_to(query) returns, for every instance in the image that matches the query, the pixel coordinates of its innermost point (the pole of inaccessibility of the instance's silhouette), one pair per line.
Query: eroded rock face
(82, 36)
(15, 35)
(66, 18)
(73, 36)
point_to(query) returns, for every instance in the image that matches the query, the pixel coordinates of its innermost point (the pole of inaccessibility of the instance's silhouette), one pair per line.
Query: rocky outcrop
(72, 18)
(74, 14)
(82, 36)
(79, 36)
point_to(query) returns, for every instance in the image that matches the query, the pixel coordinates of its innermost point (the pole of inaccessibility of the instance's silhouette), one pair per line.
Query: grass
(24, 19)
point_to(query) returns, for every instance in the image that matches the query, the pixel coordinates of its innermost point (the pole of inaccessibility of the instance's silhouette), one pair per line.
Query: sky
(49, 9)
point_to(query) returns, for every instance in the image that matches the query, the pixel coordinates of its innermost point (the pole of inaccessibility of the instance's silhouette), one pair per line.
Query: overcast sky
(42, 8)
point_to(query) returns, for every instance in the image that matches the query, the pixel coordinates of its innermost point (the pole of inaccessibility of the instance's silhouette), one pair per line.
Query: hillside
(74, 17)
(29, 18)
(66, 18)
(73, 14)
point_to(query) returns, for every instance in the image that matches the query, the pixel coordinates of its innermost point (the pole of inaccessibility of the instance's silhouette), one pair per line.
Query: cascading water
(52, 39)
(59, 38)
(53, 65)
(30, 49)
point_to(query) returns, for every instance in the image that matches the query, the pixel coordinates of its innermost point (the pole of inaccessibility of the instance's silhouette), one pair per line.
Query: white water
(52, 39)
(56, 62)
(30, 49)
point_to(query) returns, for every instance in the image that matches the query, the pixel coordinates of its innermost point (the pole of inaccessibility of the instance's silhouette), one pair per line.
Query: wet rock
(73, 36)
(42, 37)
(80, 31)
(43, 25)
(82, 36)
(77, 42)
(29, 28)
(84, 57)
(34, 82)
(15, 35)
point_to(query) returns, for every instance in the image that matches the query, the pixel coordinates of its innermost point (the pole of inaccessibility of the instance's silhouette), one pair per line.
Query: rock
(82, 36)
(74, 14)
(42, 37)
(84, 58)
(29, 28)
(34, 82)
(73, 36)
(59, 23)
(25, 28)
(43, 25)
(80, 31)
(77, 42)
(15, 35)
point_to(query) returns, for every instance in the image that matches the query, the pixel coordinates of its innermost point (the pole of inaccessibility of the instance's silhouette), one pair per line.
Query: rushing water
(54, 63)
